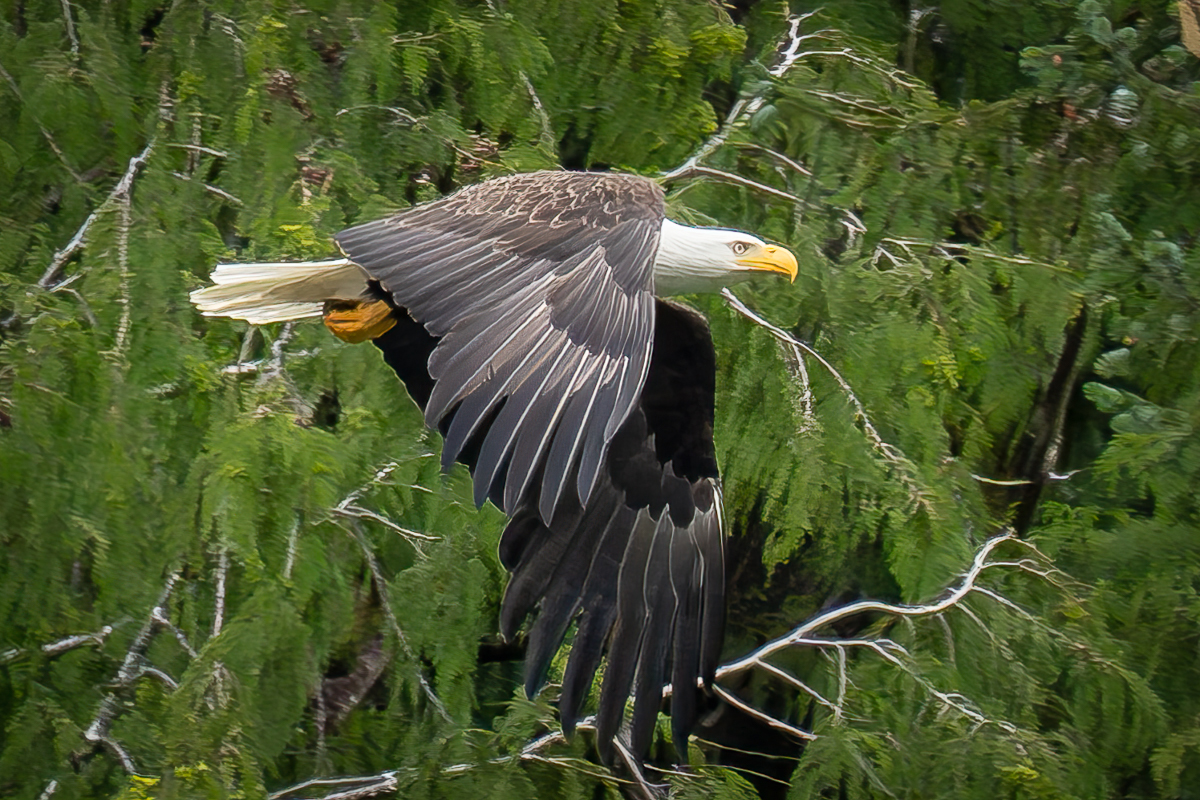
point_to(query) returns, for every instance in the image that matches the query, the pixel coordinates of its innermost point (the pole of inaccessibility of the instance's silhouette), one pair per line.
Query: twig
(221, 193)
(890, 453)
(767, 719)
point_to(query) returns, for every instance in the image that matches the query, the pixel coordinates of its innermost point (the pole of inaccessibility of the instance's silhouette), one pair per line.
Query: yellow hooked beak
(772, 259)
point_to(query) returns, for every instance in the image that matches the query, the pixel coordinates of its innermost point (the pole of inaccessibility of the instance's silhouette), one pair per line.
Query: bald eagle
(524, 316)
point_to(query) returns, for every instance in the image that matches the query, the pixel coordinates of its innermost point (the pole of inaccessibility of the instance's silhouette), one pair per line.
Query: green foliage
(997, 247)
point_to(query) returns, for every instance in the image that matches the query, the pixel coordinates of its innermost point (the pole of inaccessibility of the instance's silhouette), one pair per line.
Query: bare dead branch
(804, 632)
(62, 645)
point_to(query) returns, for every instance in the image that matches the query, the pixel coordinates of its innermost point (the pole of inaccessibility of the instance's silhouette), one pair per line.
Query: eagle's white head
(707, 259)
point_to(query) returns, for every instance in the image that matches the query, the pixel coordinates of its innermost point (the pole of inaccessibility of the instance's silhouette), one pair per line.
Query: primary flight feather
(524, 315)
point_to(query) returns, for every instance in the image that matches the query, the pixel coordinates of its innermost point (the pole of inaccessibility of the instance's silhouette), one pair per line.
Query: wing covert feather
(537, 287)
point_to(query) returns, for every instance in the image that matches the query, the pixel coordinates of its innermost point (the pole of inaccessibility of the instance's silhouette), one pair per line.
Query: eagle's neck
(693, 260)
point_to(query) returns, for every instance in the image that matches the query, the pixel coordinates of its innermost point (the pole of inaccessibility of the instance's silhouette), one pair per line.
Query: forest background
(231, 567)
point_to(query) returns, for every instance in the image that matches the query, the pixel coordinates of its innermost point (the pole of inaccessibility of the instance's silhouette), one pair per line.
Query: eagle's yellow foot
(354, 322)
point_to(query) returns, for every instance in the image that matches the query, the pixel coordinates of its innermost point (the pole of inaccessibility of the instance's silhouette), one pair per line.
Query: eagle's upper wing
(539, 291)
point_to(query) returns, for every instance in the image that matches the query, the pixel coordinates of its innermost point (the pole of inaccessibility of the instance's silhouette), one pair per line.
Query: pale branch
(76, 243)
(546, 129)
(891, 454)
(804, 632)
(320, 721)
(639, 784)
(365, 786)
(796, 683)
(159, 675)
(390, 780)
(273, 370)
(292, 545)
(197, 148)
(899, 657)
(381, 587)
(378, 479)
(219, 609)
(159, 616)
(84, 304)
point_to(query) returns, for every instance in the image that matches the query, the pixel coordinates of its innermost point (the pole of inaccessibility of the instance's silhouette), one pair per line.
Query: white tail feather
(276, 292)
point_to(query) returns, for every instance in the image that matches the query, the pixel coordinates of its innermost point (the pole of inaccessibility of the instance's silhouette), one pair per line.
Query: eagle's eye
(739, 248)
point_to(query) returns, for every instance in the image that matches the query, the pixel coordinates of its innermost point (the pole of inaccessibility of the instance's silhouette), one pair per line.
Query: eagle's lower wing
(538, 290)
(641, 569)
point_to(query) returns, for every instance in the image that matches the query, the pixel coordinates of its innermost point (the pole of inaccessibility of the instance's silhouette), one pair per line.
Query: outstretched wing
(641, 569)
(538, 290)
